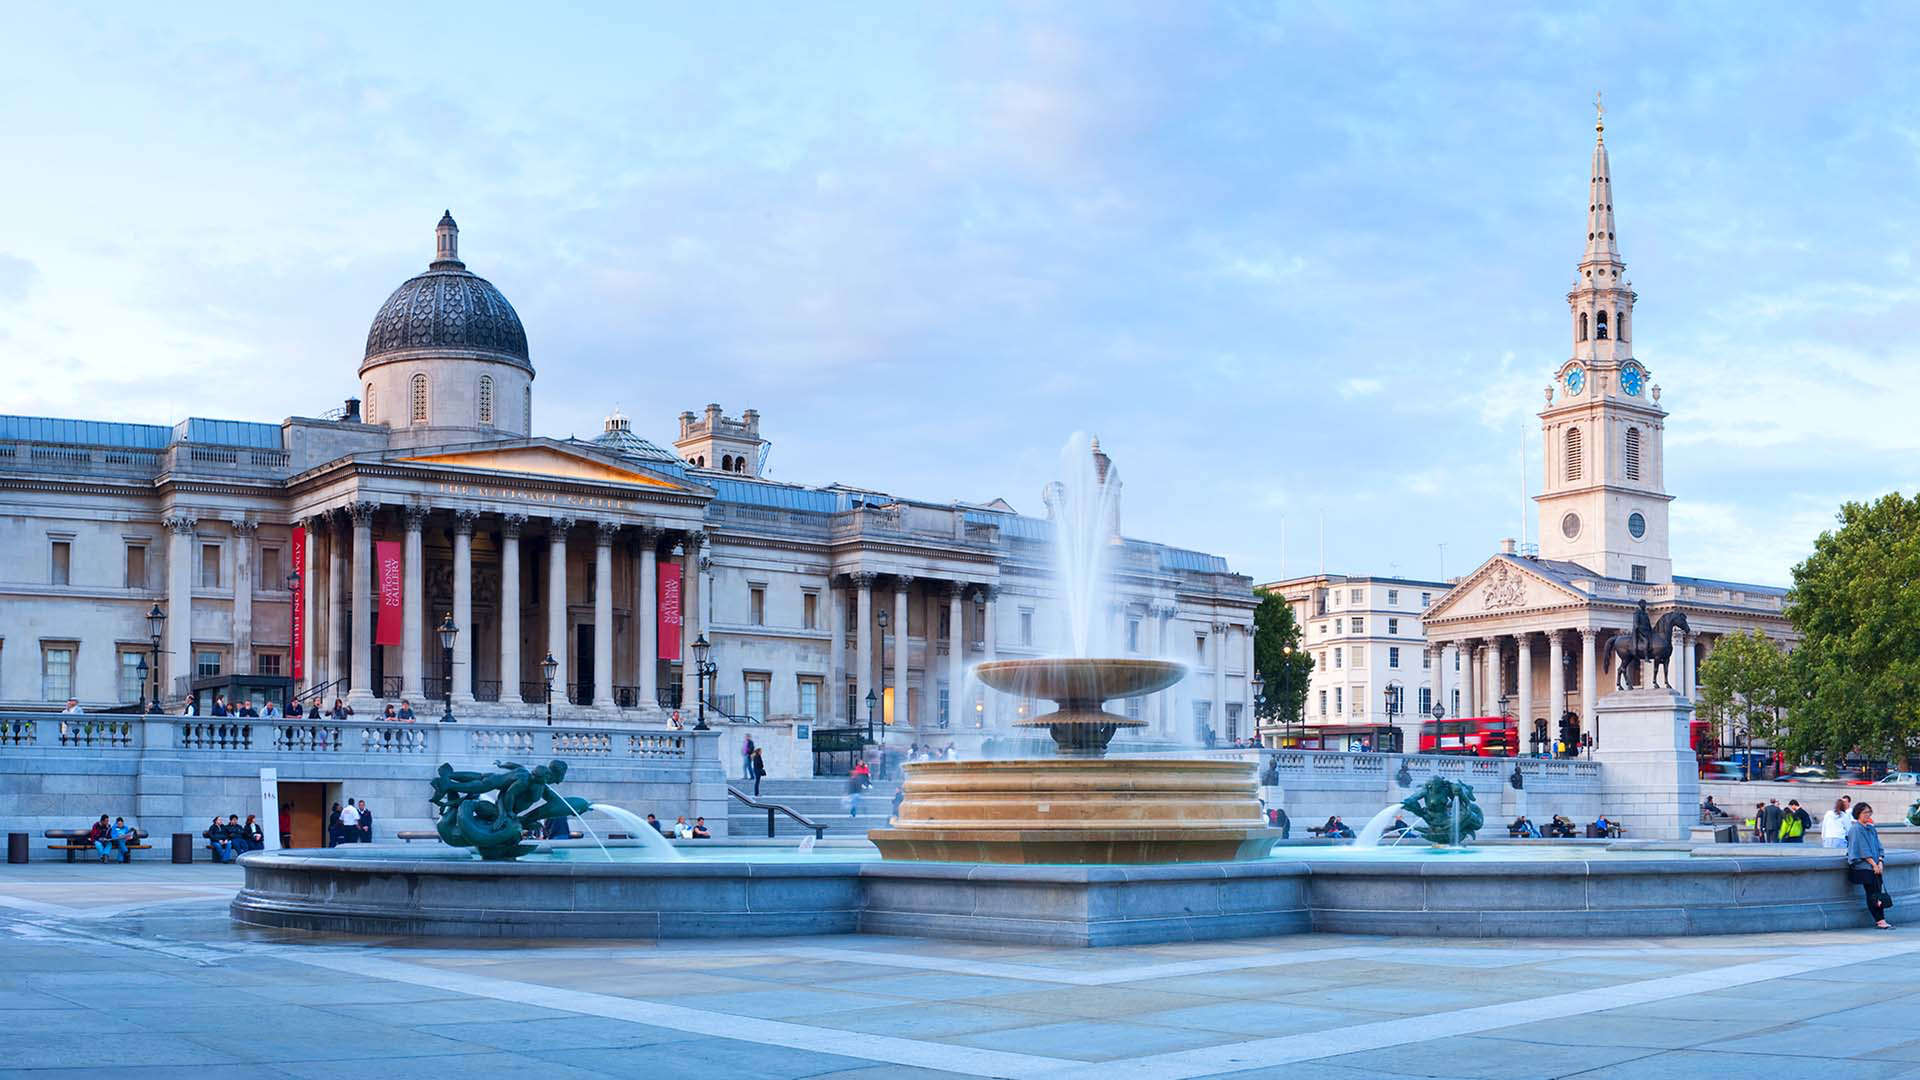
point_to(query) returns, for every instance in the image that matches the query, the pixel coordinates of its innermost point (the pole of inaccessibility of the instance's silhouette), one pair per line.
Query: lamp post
(140, 669)
(881, 618)
(873, 702)
(155, 620)
(1259, 688)
(448, 632)
(703, 671)
(548, 668)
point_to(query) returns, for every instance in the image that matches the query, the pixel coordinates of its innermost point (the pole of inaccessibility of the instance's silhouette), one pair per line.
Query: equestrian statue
(1648, 642)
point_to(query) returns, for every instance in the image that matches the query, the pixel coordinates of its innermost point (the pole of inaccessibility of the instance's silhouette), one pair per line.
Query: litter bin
(183, 847)
(17, 847)
(1726, 834)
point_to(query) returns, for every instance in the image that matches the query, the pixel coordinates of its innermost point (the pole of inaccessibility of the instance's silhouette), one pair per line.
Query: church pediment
(544, 460)
(1501, 586)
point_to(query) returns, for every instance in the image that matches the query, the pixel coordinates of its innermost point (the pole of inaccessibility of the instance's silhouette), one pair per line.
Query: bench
(75, 840)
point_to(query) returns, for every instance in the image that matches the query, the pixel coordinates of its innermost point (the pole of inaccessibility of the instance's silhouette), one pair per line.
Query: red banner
(386, 560)
(669, 611)
(298, 549)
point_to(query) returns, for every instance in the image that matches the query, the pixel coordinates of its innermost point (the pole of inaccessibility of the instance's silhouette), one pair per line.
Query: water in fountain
(1084, 507)
(1376, 827)
(646, 837)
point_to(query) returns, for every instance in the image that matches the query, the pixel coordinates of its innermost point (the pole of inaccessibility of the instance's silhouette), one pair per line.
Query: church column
(691, 624)
(1589, 678)
(648, 615)
(863, 641)
(900, 650)
(243, 536)
(463, 606)
(836, 703)
(956, 653)
(361, 696)
(1164, 616)
(1469, 663)
(310, 589)
(1556, 686)
(1524, 652)
(1495, 682)
(413, 634)
(604, 533)
(510, 526)
(180, 555)
(336, 604)
(557, 603)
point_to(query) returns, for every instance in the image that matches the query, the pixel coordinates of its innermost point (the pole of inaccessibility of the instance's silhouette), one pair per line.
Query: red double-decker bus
(1470, 736)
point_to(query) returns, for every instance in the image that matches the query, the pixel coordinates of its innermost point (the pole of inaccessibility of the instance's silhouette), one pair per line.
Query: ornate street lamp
(703, 672)
(448, 632)
(1259, 690)
(873, 702)
(155, 620)
(548, 669)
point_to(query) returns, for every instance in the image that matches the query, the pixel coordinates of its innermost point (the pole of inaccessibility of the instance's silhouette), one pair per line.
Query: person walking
(1793, 827)
(1770, 817)
(1866, 863)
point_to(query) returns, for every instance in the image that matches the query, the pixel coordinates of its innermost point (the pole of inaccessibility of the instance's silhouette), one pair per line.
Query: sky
(1301, 267)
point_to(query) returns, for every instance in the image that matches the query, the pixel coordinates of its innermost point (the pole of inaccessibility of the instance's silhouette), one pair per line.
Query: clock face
(1630, 379)
(1576, 379)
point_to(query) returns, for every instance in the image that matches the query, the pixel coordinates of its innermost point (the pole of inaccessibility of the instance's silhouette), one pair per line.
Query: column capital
(988, 593)
(695, 539)
(646, 535)
(902, 583)
(463, 522)
(605, 531)
(1588, 635)
(416, 516)
(315, 523)
(952, 590)
(862, 579)
(180, 524)
(243, 527)
(558, 527)
(1220, 627)
(362, 513)
(511, 524)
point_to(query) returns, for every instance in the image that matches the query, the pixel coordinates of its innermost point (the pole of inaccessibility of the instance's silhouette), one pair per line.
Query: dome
(447, 311)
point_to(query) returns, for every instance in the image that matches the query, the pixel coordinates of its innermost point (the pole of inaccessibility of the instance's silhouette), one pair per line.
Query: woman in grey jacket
(1866, 862)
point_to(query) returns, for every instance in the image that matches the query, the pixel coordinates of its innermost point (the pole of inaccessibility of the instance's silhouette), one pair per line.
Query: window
(268, 663)
(1200, 649)
(209, 566)
(1456, 660)
(272, 571)
(1359, 657)
(1339, 657)
(1573, 453)
(1426, 661)
(1583, 326)
(757, 605)
(1233, 720)
(1426, 700)
(1630, 453)
(133, 677)
(1455, 693)
(1339, 701)
(1393, 656)
(854, 705)
(1639, 572)
(1323, 703)
(1393, 597)
(367, 411)
(1359, 625)
(136, 566)
(61, 559)
(757, 696)
(206, 664)
(486, 401)
(1620, 325)
(1202, 712)
(1426, 600)
(1600, 326)
(1393, 627)
(420, 398)
(810, 697)
(1354, 596)
(946, 702)
(56, 672)
(1637, 524)
(1339, 626)
(1134, 709)
(810, 610)
(1133, 635)
(1026, 626)
(946, 624)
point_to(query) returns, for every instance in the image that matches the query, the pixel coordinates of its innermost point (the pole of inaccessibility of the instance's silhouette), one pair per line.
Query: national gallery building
(341, 552)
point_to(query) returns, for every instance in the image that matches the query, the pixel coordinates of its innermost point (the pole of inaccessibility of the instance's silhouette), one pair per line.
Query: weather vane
(1599, 113)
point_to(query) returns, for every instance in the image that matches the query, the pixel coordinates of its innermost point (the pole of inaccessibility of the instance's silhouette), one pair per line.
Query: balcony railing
(269, 738)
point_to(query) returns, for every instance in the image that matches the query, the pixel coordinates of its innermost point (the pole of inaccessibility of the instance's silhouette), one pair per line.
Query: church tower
(1604, 505)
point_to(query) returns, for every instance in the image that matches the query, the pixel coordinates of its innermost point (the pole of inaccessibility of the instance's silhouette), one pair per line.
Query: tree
(1283, 665)
(1856, 603)
(1744, 685)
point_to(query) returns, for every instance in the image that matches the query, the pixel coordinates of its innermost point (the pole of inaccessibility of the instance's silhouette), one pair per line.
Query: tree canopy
(1856, 603)
(1744, 685)
(1278, 657)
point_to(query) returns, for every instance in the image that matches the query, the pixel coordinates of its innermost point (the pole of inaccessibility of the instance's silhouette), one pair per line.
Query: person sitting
(120, 836)
(657, 827)
(252, 837)
(1602, 827)
(700, 830)
(1709, 810)
(97, 836)
(682, 830)
(1522, 827)
(406, 710)
(1561, 827)
(220, 842)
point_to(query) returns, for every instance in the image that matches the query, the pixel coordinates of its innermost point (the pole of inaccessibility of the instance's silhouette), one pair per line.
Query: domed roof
(447, 311)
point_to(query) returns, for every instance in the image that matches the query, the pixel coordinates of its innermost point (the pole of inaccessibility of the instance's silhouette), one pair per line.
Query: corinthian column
(413, 623)
(336, 602)
(1469, 692)
(691, 627)
(510, 526)
(900, 650)
(310, 591)
(180, 528)
(1589, 678)
(1556, 683)
(463, 606)
(956, 651)
(243, 537)
(361, 698)
(557, 600)
(836, 703)
(604, 532)
(1524, 683)
(649, 618)
(863, 640)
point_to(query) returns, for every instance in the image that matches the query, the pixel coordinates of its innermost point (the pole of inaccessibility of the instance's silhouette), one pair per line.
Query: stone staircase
(820, 798)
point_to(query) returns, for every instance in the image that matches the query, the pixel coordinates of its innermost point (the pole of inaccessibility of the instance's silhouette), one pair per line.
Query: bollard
(183, 847)
(17, 847)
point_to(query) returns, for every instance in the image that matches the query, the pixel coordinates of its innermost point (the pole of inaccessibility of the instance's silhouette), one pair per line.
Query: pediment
(1500, 586)
(543, 461)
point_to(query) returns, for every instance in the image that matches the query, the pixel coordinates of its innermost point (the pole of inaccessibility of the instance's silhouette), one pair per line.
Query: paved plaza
(135, 972)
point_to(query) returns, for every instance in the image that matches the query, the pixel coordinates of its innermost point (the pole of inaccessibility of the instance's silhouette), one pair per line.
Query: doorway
(305, 806)
(583, 664)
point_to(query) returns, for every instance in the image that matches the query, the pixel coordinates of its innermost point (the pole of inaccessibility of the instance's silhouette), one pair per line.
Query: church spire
(1601, 248)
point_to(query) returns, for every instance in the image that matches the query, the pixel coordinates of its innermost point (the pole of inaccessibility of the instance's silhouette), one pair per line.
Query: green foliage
(1744, 686)
(1278, 657)
(1856, 603)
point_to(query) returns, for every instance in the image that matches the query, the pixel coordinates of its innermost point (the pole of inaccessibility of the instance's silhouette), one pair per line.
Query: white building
(1371, 666)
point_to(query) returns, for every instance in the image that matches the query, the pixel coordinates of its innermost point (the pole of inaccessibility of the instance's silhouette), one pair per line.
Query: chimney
(1507, 546)
(351, 414)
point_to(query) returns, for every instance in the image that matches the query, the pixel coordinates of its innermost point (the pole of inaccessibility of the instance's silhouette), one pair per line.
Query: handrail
(730, 716)
(313, 692)
(819, 830)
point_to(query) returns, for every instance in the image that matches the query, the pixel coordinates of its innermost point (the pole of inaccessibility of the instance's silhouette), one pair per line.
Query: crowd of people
(230, 839)
(349, 822)
(681, 829)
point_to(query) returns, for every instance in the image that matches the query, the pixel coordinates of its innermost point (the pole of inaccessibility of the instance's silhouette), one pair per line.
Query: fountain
(1080, 807)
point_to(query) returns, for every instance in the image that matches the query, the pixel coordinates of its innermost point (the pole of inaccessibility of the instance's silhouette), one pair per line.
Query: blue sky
(1293, 262)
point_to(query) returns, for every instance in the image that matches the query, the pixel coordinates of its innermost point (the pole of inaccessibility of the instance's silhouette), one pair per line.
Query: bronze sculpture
(1447, 808)
(1647, 642)
(523, 798)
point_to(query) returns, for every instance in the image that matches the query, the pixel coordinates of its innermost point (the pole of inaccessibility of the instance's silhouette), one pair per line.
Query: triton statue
(1647, 642)
(1448, 809)
(522, 800)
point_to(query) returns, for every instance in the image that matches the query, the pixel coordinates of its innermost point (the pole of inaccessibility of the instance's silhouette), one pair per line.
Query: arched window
(486, 400)
(1631, 453)
(726, 463)
(1620, 325)
(1583, 326)
(420, 399)
(700, 462)
(369, 408)
(1573, 453)
(1600, 326)
(740, 464)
